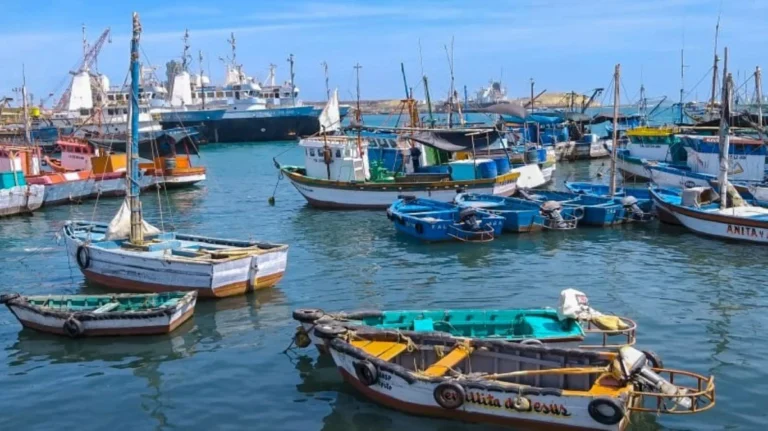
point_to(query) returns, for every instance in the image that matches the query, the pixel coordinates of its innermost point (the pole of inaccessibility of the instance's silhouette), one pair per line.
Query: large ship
(241, 110)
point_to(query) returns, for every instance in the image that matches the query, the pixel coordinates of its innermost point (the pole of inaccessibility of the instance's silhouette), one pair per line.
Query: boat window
(338, 153)
(229, 94)
(219, 94)
(312, 152)
(110, 97)
(209, 94)
(346, 152)
(194, 95)
(85, 112)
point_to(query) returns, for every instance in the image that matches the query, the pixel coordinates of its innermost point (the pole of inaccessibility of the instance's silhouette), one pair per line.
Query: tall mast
(405, 81)
(185, 54)
(85, 51)
(714, 68)
(532, 84)
(358, 114)
(725, 113)
(643, 104)
(202, 84)
(27, 125)
(616, 81)
(327, 87)
(452, 91)
(759, 96)
(682, 82)
(293, 86)
(137, 235)
(429, 101)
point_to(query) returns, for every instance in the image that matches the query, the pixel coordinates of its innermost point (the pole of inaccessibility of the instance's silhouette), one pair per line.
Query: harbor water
(700, 304)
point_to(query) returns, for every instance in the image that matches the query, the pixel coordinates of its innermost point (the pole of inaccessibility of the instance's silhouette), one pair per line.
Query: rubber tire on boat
(366, 372)
(7, 297)
(83, 257)
(615, 417)
(531, 342)
(578, 212)
(73, 327)
(329, 332)
(308, 315)
(653, 359)
(419, 228)
(449, 395)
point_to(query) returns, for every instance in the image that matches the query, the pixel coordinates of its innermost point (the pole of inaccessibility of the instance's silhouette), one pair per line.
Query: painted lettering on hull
(488, 400)
(745, 232)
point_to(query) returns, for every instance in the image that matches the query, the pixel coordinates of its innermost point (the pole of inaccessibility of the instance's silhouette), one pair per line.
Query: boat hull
(21, 199)
(720, 226)
(631, 171)
(121, 270)
(54, 324)
(334, 195)
(672, 177)
(417, 398)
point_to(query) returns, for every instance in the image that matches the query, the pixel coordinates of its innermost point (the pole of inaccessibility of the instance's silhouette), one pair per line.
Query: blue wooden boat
(430, 220)
(521, 215)
(603, 190)
(598, 211)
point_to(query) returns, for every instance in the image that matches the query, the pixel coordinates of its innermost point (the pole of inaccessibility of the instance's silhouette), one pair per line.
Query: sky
(564, 45)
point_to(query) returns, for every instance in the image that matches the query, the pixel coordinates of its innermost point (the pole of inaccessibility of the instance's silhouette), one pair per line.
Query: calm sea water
(701, 304)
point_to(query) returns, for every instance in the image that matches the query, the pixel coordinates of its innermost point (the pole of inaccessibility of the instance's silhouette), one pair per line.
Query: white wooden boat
(131, 255)
(511, 384)
(17, 196)
(102, 315)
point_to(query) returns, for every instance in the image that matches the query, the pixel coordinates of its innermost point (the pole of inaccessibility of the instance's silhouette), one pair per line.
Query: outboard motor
(632, 209)
(468, 219)
(551, 211)
(632, 364)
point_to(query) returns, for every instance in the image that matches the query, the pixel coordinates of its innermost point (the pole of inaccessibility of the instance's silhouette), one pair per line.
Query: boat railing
(628, 335)
(566, 223)
(484, 235)
(698, 389)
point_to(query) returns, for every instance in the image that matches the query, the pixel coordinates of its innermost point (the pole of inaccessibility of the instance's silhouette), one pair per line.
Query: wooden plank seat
(453, 358)
(384, 350)
(106, 307)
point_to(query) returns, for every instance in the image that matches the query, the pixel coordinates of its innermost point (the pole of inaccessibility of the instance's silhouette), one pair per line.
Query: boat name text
(509, 404)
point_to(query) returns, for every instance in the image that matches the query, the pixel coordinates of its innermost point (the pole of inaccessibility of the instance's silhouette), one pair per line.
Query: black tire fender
(366, 372)
(73, 327)
(83, 257)
(307, 315)
(8, 297)
(606, 411)
(329, 332)
(449, 395)
(419, 228)
(654, 360)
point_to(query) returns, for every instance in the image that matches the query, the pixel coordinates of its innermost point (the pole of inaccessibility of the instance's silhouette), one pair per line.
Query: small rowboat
(430, 220)
(598, 211)
(102, 315)
(522, 215)
(513, 384)
(574, 324)
(603, 190)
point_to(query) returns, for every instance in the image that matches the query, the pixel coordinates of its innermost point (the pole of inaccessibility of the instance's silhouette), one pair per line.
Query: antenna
(185, 55)
(327, 87)
(357, 68)
(293, 86)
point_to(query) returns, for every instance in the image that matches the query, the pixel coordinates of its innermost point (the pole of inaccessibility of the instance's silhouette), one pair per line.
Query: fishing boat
(102, 315)
(130, 254)
(598, 211)
(522, 215)
(568, 326)
(604, 190)
(649, 145)
(17, 196)
(514, 384)
(430, 220)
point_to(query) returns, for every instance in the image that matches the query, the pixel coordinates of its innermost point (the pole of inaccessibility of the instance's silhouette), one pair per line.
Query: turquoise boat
(528, 326)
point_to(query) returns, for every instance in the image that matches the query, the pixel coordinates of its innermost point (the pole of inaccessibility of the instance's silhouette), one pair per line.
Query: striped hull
(21, 199)
(137, 272)
(106, 327)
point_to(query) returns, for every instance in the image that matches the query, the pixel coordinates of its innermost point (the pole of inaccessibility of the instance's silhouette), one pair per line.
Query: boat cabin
(746, 157)
(76, 154)
(336, 158)
(20, 159)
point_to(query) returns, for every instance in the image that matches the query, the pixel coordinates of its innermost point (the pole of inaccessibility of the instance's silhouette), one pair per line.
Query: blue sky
(563, 44)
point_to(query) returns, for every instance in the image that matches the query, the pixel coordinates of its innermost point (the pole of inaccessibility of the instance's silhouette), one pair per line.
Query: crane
(595, 93)
(90, 57)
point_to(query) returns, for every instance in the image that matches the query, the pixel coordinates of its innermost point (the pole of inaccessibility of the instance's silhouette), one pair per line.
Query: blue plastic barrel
(502, 165)
(532, 156)
(486, 168)
(542, 155)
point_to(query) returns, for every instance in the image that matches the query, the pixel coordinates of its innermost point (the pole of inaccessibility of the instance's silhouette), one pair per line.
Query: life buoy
(7, 297)
(73, 327)
(366, 372)
(419, 228)
(449, 395)
(653, 359)
(329, 332)
(83, 257)
(307, 315)
(606, 411)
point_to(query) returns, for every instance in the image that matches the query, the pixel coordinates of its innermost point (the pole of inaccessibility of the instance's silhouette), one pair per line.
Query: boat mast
(759, 96)
(725, 113)
(185, 53)
(452, 91)
(358, 114)
(202, 84)
(327, 87)
(137, 234)
(682, 82)
(25, 105)
(429, 101)
(714, 68)
(293, 86)
(616, 81)
(532, 99)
